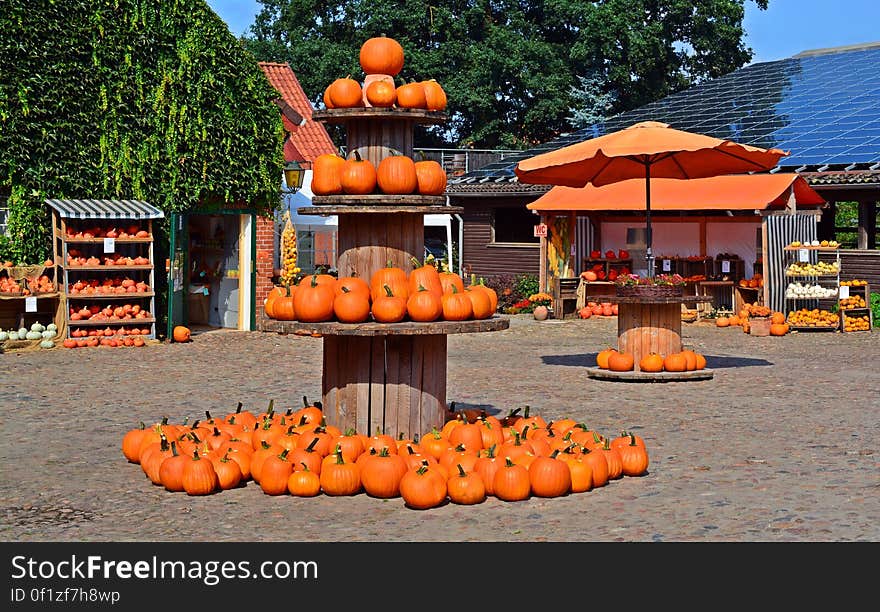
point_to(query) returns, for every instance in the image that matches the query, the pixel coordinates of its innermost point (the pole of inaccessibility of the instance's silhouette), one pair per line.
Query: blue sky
(786, 28)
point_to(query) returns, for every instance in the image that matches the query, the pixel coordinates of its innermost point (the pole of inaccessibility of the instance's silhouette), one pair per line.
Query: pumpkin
(701, 362)
(448, 280)
(690, 359)
(602, 357)
(457, 306)
(275, 472)
(351, 306)
(621, 361)
(424, 275)
(396, 174)
(131, 442)
(633, 458)
(307, 456)
(381, 55)
(381, 474)
(392, 276)
(430, 177)
(199, 477)
(675, 362)
(268, 303)
(313, 302)
(345, 93)
(652, 362)
(612, 458)
(777, 317)
(722, 321)
(228, 472)
(327, 174)
(283, 307)
(327, 101)
(585, 313)
(358, 176)
(511, 482)
(422, 488)
(181, 333)
(465, 488)
(423, 305)
(304, 483)
(411, 95)
(381, 92)
(549, 476)
(598, 464)
(779, 329)
(339, 477)
(389, 308)
(352, 283)
(171, 470)
(435, 96)
(481, 303)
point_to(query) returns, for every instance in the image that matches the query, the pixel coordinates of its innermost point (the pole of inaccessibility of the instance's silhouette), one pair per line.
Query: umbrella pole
(649, 254)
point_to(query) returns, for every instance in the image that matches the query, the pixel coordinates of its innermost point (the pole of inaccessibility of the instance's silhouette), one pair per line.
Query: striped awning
(105, 209)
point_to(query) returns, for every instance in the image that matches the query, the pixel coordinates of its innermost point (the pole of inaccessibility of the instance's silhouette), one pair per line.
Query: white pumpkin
(13, 335)
(38, 327)
(52, 327)
(47, 344)
(21, 332)
(4, 336)
(33, 335)
(49, 334)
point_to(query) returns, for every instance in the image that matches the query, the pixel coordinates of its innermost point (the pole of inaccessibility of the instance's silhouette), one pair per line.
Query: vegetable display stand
(104, 253)
(386, 376)
(650, 324)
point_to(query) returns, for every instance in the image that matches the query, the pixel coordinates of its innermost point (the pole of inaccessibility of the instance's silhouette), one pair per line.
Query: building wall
(264, 264)
(479, 254)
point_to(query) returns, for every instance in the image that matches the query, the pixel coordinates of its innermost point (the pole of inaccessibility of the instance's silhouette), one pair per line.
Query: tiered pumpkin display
(381, 58)
(296, 453)
(423, 295)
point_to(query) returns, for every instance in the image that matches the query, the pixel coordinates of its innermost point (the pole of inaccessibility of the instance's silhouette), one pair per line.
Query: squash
(46, 344)
(52, 327)
(13, 335)
(38, 327)
(49, 334)
(4, 336)
(21, 332)
(33, 335)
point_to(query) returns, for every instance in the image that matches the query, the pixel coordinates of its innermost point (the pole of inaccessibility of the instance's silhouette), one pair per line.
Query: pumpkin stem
(238, 410)
(305, 467)
(164, 420)
(461, 471)
(422, 470)
(195, 424)
(357, 155)
(271, 409)
(283, 455)
(195, 438)
(384, 452)
(311, 447)
(142, 425)
(338, 453)
(632, 439)
(508, 462)
(208, 414)
(265, 445)
(490, 452)
(174, 449)
(388, 290)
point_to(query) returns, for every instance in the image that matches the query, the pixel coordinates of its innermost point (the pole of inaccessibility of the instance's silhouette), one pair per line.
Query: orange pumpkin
(722, 322)
(181, 333)
(392, 276)
(381, 92)
(701, 362)
(778, 329)
(389, 308)
(621, 361)
(690, 358)
(283, 306)
(411, 95)
(313, 301)
(430, 176)
(396, 174)
(435, 96)
(777, 317)
(381, 55)
(602, 357)
(345, 93)
(327, 174)
(675, 362)
(358, 176)
(652, 362)
(351, 306)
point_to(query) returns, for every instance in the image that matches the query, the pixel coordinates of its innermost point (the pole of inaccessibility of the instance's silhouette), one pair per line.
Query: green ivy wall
(128, 99)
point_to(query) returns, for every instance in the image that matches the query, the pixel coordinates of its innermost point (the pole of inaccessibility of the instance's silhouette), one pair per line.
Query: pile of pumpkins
(622, 361)
(381, 59)
(424, 295)
(778, 325)
(603, 309)
(44, 333)
(473, 456)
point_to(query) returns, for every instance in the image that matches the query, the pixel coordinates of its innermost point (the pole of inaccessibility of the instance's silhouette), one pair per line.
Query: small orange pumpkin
(722, 322)
(778, 329)
(621, 361)
(181, 333)
(381, 55)
(602, 357)
(345, 93)
(675, 362)
(652, 362)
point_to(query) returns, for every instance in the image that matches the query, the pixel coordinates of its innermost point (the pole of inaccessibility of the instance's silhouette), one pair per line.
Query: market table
(649, 324)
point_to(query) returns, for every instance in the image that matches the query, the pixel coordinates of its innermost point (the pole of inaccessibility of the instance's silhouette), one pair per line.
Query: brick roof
(306, 141)
(854, 177)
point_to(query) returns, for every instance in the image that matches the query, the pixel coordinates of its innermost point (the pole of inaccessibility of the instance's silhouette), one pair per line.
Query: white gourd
(4, 336)
(38, 327)
(49, 334)
(52, 327)
(21, 332)
(47, 344)
(13, 335)
(33, 335)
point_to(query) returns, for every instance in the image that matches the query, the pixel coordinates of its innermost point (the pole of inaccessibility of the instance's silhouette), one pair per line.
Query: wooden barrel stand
(644, 328)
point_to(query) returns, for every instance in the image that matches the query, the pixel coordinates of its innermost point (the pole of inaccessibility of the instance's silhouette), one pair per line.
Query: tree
(591, 102)
(124, 99)
(511, 67)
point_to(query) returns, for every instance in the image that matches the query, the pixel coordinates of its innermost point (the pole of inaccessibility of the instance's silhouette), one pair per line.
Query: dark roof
(105, 209)
(823, 106)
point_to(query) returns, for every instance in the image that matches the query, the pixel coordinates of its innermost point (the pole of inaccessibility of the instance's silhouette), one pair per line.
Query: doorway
(212, 271)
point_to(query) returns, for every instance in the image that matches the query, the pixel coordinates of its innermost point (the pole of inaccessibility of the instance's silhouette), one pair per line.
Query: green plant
(526, 285)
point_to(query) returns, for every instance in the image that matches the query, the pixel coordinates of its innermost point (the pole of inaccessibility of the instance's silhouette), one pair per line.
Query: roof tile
(309, 140)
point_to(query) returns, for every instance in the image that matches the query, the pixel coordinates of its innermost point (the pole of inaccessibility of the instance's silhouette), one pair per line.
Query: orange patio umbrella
(644, 150)
(728, 192)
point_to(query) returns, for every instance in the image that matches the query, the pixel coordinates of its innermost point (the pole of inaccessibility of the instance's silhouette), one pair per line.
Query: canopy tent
(727, 192)
(302, 198)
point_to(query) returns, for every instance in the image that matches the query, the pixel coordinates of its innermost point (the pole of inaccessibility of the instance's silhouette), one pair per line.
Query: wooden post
(867, 225)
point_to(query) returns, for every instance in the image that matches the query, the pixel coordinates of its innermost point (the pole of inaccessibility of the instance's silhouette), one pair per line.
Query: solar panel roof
(824, 107)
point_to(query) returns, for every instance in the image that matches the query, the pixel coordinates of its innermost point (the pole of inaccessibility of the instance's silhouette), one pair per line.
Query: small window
(315, 249)
(4, 215)
(514, 224)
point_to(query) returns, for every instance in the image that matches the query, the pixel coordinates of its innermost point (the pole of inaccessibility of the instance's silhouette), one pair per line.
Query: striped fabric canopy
(105, 209)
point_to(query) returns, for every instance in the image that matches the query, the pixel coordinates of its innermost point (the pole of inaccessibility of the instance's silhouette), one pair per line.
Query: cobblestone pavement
(782, 445)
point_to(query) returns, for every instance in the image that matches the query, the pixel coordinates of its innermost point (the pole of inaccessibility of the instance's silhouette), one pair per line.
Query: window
(514, 224)
(315, 249)
(4, 215)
